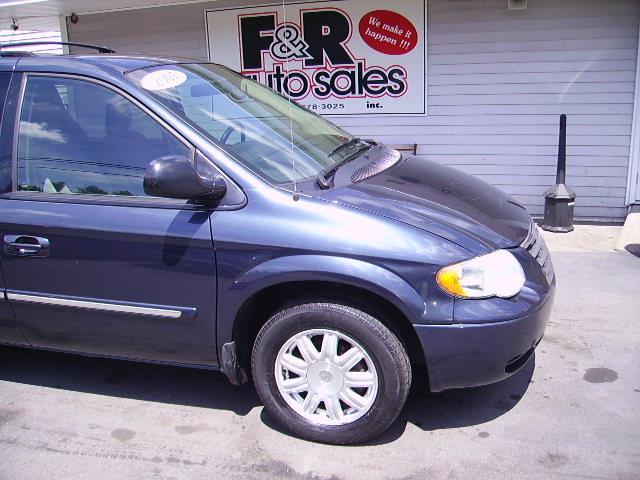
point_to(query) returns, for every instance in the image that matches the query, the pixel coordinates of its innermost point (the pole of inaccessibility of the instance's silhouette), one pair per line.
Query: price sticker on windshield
(162, 80)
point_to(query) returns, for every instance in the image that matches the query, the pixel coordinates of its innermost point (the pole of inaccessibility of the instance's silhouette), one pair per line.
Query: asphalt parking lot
(571, 412)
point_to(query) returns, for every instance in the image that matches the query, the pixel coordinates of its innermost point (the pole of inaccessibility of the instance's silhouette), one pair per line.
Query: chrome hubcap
(326, 376)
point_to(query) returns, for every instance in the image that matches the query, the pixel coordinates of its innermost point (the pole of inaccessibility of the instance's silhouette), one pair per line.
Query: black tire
(383, 347)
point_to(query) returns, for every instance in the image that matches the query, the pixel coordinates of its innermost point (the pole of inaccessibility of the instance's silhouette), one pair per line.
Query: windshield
(248, 120)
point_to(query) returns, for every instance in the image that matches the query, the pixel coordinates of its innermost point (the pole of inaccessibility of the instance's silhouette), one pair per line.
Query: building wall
(9, 36)
(497, 81)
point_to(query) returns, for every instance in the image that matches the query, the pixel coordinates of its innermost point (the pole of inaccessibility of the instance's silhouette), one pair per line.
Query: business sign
(336, 58)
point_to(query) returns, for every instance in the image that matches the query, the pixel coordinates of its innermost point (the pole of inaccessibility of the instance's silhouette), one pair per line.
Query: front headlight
(497, 274)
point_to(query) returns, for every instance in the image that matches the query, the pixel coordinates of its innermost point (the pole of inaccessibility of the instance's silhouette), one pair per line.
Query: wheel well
(255, 312)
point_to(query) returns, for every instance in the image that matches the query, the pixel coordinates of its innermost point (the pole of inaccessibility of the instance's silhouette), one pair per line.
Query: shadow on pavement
(119, 378)
(633, 249)
(462, 407)
(209, 389)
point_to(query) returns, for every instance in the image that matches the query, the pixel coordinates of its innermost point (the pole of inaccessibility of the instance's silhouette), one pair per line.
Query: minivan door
(9, 331)
(91, 264)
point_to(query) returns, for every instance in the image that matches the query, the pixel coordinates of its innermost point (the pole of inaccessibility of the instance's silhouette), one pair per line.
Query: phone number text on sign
(323, 106)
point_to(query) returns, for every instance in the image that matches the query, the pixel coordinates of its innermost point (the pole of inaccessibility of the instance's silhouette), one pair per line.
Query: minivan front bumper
(471, 354)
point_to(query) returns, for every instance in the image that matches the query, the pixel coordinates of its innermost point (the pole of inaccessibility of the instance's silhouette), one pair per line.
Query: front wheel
(330, 373)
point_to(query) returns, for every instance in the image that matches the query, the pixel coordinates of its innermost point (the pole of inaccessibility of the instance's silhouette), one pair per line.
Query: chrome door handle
(26, 246)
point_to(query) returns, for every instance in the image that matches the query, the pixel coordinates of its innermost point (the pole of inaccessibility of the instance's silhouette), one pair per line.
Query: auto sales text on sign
(336, 58)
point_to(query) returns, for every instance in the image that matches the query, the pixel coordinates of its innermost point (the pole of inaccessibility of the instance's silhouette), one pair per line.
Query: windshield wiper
(355, 144)
(344, 146)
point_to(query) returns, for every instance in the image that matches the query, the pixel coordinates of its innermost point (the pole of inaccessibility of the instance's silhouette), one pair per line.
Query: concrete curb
(629, 240)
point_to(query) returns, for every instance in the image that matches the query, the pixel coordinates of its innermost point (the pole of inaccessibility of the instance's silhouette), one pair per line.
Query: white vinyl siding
(10, 36)
(497, 81)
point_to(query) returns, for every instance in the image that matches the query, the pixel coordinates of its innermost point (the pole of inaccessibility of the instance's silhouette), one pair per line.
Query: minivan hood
(441, 200)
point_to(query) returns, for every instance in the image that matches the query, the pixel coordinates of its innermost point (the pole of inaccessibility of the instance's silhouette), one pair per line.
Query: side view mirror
(176, 177)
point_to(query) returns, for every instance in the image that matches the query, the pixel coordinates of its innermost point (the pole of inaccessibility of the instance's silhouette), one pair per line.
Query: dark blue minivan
(173, 211)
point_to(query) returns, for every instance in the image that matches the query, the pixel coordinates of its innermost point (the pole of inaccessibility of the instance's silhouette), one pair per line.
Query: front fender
(324, 268)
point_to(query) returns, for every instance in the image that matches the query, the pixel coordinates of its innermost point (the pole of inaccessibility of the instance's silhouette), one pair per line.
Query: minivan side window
(79, 137)
(5, 149)
(5, 78)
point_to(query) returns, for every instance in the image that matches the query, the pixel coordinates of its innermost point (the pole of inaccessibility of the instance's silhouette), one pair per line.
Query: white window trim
(633, 181)
(64, 33)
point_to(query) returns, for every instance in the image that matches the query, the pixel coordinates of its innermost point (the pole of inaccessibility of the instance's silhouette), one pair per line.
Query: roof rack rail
(72, 44)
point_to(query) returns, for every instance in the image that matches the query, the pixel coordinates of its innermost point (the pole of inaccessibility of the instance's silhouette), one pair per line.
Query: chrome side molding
(163, 312)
